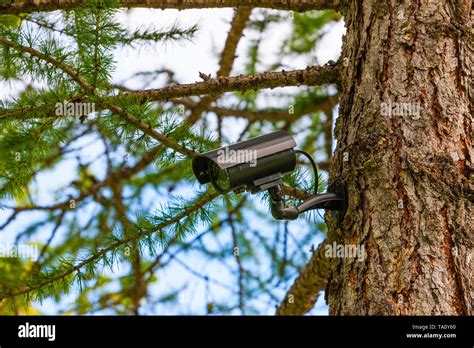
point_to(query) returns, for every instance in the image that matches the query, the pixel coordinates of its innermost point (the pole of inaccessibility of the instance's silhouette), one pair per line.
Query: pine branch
(47, 110)
(303, 294)
(236, 31)
(163, 139)
(39, 110)
(124, 174)
(53, 61)
(27, 6)
(184, 246)
(103, 252)
(311, 76)
(88, 88)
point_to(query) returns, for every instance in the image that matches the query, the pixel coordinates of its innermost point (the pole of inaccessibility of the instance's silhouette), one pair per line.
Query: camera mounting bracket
(265, 183)
(335, 199)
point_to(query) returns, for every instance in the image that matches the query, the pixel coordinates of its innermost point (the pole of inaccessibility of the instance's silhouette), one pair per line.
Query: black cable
(317, 202)
(315, 169)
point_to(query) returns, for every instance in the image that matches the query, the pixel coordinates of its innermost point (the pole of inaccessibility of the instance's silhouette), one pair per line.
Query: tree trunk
(408, 170)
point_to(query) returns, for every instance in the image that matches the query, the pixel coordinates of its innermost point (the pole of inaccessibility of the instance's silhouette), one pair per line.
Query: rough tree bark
(410, 178)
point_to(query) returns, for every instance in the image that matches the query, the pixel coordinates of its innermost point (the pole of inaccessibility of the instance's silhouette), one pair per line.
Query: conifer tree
(103, 242)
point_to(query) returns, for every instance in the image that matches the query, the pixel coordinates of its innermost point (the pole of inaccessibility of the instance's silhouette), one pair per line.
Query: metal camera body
(259, 164)
(254, 165)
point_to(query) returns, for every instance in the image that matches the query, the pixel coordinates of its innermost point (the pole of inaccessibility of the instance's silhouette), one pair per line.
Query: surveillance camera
(256, 164)
(260, 164)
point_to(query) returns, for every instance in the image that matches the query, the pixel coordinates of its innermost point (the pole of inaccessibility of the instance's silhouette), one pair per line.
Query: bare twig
(239, 21)
(311, 76)
(264, 115)
(236, 250)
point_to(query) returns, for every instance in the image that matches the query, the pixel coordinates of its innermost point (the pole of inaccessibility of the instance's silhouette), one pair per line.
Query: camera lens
(219, 177)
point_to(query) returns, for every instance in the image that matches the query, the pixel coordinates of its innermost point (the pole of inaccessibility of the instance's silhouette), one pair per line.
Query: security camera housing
(256, 164)
(260, 164)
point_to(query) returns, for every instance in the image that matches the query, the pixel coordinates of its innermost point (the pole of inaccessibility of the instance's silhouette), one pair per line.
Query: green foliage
(23, 147)
(10, 21)
(307, 30)
(132, 210)
(9, 69)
